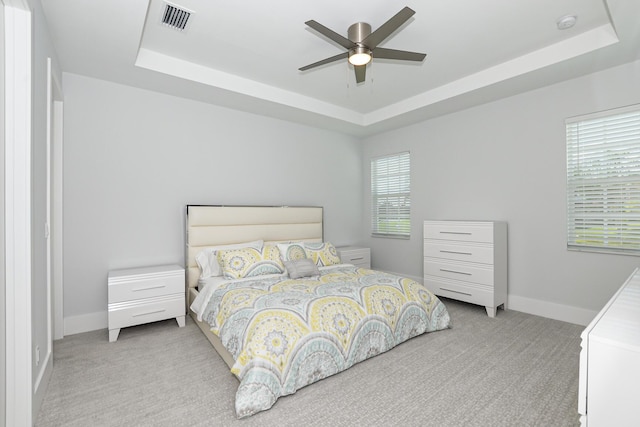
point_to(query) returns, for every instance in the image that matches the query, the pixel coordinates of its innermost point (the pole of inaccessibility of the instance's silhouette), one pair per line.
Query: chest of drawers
(356, 255)
(609, 380)
(143, 295)
(467, 261)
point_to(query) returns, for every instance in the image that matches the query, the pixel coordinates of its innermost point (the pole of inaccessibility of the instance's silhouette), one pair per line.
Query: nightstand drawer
(455, 231)
(474, 273)
(358, 256)
(135, 287)
(133, 313)
(459, 251)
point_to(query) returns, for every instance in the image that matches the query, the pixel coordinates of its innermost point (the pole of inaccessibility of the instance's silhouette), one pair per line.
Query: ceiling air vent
(175, 17)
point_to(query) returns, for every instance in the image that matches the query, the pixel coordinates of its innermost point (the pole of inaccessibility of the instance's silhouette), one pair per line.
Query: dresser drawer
(459, 251)
(133, 313)
(461, 232)
(474, 273)
(460, 291)
(134, 288)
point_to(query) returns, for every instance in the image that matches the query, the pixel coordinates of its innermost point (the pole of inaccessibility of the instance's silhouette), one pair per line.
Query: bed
(281, 324)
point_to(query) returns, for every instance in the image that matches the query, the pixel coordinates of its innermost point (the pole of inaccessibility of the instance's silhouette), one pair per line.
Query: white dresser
(467, 261)
(609, 382)
(143, 295)
(356, 255)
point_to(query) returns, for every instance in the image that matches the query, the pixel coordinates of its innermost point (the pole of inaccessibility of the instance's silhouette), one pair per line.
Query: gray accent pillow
(304, 267)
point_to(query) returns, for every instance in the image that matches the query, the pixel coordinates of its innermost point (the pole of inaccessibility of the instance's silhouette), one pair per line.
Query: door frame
(55, 123)
(17, 256)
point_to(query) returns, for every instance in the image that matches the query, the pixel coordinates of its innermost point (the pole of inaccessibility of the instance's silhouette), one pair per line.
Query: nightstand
(143, 295)
(356, 255)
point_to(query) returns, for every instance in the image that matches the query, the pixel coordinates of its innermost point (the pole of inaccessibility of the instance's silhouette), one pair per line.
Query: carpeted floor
(514, 370)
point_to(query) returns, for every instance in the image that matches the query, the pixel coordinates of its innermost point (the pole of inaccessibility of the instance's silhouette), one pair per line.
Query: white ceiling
(245, 54)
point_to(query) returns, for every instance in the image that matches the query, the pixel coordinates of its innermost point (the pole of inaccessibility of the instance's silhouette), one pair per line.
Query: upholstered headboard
(223, 225)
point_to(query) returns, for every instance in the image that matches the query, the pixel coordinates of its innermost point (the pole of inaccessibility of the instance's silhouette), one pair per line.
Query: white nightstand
(143, 295)
(356, 255)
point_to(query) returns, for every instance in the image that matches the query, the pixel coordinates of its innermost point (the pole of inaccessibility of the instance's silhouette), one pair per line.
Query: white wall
(506, 161)
(134, 158)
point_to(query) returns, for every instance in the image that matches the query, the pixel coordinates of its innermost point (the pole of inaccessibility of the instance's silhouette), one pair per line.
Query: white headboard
(224, 225)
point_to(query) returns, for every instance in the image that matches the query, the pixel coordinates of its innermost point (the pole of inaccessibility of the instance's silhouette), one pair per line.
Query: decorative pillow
(303, 267)
(292, 251)
(250, 262)
(322, 254)
(207, 258)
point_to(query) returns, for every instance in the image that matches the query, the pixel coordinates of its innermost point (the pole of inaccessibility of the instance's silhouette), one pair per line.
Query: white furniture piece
(143, 295)
(609, 381)
(467, 261)
(356, 255)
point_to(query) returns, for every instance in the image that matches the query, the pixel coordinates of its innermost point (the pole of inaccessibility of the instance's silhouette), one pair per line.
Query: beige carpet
(514, 370)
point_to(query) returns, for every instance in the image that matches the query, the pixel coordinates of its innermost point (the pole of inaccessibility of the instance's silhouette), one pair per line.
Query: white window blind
(603, 181)
(391, 196)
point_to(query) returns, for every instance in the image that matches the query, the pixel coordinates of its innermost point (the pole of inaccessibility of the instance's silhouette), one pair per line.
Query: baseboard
(566, 313)
(550, 310)
(85, 323)
(41, 384)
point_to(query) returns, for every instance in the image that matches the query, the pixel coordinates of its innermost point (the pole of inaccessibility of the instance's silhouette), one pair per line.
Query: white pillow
(292, 251)
(207, 258)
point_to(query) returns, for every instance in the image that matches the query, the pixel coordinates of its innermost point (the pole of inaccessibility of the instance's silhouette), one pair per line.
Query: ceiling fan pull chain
(346, 80)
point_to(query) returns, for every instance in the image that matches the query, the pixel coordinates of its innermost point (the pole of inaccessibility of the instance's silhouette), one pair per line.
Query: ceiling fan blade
(385, 30)
(361, 71)
(402, 55)
(343, 55)
(342, 41)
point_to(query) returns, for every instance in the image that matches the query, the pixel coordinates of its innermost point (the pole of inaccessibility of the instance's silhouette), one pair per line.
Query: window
(391, 196)
(603, 181)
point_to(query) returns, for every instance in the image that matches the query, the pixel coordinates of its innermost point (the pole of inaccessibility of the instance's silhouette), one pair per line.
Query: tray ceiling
(246, 54)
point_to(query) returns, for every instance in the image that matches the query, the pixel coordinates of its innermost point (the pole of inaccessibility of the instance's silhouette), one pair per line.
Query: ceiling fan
(362, 44)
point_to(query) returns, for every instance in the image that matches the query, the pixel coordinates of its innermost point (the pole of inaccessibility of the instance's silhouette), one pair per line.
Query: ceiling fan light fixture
(362, 43)
(359, 56)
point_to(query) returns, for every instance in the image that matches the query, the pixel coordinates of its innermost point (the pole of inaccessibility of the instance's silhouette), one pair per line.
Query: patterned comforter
(285, 334)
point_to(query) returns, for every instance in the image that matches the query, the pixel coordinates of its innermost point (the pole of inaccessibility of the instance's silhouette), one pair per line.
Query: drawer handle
(456, 292)
(466, 233)
(357, 259)
(456, 252)
(149, 288)
(457, 272)
(148, 313)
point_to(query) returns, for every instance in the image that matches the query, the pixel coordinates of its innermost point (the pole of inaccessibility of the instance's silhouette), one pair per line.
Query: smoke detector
(566, 22)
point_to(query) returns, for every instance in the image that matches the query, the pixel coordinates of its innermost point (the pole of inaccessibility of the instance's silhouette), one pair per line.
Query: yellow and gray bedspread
(285, 334)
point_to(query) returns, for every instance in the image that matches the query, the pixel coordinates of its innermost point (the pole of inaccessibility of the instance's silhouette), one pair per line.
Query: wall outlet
(37, 355)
